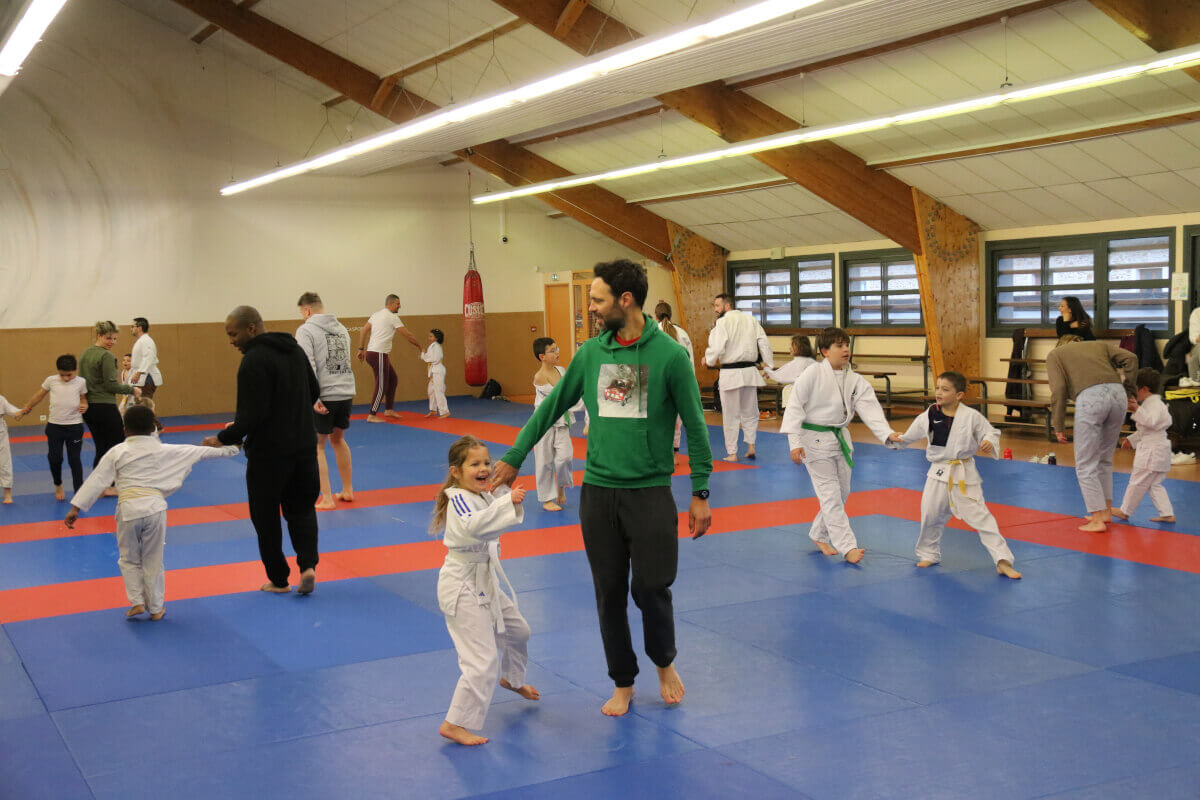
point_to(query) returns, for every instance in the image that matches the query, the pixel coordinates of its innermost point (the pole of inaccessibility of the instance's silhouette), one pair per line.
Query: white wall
(114, 141)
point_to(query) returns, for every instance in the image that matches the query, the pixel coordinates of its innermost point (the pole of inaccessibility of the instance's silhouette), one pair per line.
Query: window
(1122, 280)
(787, 293)
(881, 289)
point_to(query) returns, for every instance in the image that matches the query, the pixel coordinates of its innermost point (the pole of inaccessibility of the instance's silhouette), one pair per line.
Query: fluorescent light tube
(26, 33)
(1162, 62)
(642, 51)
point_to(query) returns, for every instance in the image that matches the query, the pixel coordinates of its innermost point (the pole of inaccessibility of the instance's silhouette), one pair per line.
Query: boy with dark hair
(145, 471)
(64, 426)
(953, 486)
(824, 399)
(553, 455)
(436, 386)
(1153, 457)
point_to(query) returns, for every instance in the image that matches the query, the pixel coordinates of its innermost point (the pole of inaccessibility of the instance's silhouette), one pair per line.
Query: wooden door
(558, 319)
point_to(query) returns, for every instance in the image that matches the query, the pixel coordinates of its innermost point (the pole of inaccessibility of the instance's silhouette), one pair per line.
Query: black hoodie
(276, 390)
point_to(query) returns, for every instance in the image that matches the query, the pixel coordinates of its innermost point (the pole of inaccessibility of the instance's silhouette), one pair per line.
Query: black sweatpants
(70, 437)
(291, 485)
(638, 529)
(104, 422)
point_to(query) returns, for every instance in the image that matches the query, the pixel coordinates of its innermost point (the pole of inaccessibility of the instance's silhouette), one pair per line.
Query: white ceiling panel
(1034, 167)
(1094, 204)
(1133, 196)
(1124, 158)
(978, 209)
(1169, 146)
(1172, 188)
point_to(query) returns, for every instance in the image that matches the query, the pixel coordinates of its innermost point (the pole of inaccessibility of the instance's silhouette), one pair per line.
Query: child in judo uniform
(953, 486)
(6, 467)
(489, 633)
(824, 399)
(1153, 457)
(553, 455)
(436, 388)
(145, 471)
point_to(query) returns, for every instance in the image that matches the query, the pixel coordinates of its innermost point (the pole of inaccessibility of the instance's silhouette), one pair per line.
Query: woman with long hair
(1073, 320)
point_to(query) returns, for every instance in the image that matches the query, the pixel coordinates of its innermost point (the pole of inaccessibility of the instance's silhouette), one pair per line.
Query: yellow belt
(134, 492)
(962, 484)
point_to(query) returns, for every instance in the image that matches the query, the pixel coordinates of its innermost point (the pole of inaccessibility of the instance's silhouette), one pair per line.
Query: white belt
(488, 572)
(134, 492)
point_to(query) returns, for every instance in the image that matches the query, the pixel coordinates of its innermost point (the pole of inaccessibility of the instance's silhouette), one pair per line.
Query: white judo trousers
(485, 656)
(140, 542)
(1099, 413)
(436, 389)
(1141, 481)
(739, 412)
(553, 458)
(6, 467)
(939, 503)
(1152, 459)
(830, 475)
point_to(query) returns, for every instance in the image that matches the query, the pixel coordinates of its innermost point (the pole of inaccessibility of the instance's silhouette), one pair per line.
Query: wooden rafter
(640, 230)
(1162, 24)
(568, 17)
(444, 55)
(209, 30)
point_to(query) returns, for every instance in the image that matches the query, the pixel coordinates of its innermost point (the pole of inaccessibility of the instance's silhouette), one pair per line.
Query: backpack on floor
(491, 390)
(1184, 405)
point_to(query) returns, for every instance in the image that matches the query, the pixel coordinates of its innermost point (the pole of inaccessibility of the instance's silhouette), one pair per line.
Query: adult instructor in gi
(738, 341)
(634, 380)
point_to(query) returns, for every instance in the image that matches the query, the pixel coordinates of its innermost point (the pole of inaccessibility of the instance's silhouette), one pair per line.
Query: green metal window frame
(792, 265)
(1101, 286)
(884, 257)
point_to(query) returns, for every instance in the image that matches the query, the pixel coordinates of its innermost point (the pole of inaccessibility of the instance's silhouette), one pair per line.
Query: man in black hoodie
(276, 393)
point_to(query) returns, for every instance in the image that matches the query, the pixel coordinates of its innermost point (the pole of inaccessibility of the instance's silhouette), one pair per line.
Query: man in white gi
(824, 399)
(145, 471)
(953, 486)
(143, 360)
(375, 348)
(738, 341)
(1153, 458)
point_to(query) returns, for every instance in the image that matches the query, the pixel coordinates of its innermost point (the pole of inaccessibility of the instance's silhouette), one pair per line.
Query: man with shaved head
(276, 390)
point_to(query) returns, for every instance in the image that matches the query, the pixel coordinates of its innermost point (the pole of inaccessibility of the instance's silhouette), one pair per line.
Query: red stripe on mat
(1154, 547)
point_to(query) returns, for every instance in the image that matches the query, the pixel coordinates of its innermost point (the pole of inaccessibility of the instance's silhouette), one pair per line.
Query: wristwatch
(701, 493)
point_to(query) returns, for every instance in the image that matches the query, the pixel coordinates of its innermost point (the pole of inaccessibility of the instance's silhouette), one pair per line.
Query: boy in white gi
(489, 633)
(6, 467)
(436, 388)
(1153, 457)
(145, 471)
(953, 486)
(553, 455)
(824, 399)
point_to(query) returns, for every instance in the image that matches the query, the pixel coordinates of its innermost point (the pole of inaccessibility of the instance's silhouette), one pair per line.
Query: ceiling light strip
(643, 51)
(1161, 62)
(26, 33)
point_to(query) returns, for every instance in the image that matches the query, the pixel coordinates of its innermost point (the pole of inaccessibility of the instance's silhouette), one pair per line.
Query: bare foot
(59, 494)
(1106, 514)
(550, 505)
(1093, 526)
(730, 458)
(373, 418)
(562, 497)
(457, 733)
(443, 416)
(750, 453)
(1162, 519)
(526, 691)
(8, 499)
(308, 581)
(325, 502)
(827, 548)
(431, 414)
(1006, 569)
(270, 587)
(925, 562)
(1118, 513)
(391, 413)
(138, 609)
(618, 704)
(856, 555)
(346, 496)
(159, 615)
(670, 685)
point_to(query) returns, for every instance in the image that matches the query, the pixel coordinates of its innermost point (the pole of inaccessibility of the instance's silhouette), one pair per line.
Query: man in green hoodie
(634, 381)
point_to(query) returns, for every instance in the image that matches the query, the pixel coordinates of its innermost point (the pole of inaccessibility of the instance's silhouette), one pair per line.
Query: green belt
(840, 433)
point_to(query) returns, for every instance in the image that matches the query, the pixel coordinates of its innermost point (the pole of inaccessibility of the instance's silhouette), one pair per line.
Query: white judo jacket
(1150, 439)
(474, 523)
(820, 397)
(954, 463)
(737, 337)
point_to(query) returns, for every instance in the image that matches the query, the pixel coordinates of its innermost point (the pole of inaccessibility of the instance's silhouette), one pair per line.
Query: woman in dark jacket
(1073, 320)
(98, 366)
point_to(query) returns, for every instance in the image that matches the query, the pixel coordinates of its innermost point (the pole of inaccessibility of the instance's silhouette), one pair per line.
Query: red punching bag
(474, 327)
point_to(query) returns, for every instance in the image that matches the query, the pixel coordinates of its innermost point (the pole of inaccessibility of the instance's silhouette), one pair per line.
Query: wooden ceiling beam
(209, 30)
(640, 230)
(1162, 24)
(571, 13)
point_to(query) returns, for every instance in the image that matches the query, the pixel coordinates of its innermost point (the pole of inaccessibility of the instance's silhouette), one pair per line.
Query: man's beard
(615, 322)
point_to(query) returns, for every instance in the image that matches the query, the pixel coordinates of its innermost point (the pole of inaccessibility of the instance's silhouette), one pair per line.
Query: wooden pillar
(699, 277)
(949, 274)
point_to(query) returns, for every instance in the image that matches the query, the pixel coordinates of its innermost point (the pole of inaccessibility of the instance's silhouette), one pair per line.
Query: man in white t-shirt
(375, 347)
(143, 360)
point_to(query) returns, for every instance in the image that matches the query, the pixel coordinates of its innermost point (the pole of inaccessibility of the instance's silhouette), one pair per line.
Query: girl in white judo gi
(489, 633)
(662, 314)
(436, 388)
(1153, 457)
(145, 471)
(824, 399)
(953, 486)
(6, 467)
(553, 455)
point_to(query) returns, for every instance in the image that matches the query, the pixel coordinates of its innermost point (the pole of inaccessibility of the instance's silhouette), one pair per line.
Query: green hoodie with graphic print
(632, 394)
